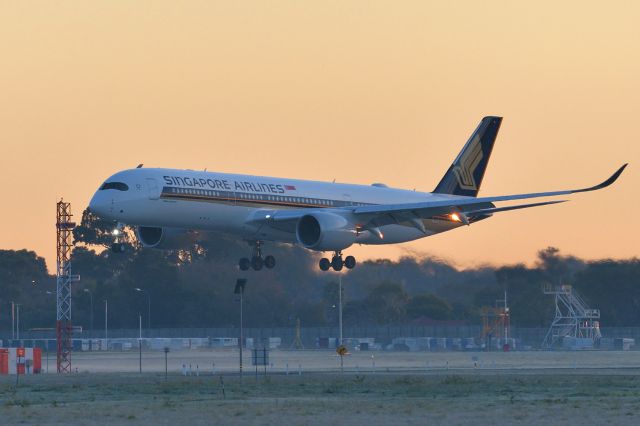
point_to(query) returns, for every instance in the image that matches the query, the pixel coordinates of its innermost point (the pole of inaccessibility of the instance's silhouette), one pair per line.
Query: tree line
(194, 287)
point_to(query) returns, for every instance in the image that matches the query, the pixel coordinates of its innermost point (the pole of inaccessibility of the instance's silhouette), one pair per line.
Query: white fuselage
(226, 203)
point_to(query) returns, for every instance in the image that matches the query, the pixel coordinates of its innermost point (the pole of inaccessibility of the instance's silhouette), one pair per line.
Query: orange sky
(359, 91)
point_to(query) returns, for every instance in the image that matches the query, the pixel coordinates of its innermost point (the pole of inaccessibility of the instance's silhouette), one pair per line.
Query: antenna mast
(64, 278)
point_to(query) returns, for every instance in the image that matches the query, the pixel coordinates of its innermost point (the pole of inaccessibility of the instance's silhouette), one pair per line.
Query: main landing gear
(257, 261)
(337, 263)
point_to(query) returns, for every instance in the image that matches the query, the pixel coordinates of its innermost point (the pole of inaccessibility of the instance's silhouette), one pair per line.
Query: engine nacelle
(323, 231)
(165, 238)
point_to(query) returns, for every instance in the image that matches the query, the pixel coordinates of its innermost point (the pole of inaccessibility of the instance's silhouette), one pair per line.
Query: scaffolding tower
(496, 322)
(64, 278)
(573, 317)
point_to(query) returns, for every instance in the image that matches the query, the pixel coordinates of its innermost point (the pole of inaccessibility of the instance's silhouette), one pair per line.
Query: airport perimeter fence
(526, 338)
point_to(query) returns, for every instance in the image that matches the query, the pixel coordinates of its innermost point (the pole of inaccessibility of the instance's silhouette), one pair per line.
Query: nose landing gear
(117, 248)
(337, 263)
(118, 239)
(257, 261)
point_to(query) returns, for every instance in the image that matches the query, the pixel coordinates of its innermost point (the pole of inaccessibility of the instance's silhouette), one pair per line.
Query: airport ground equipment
(573, 317)
(64, 278)
(297, 340)
(496, 323)
(342, 351)
(260, 357)
(20, 361)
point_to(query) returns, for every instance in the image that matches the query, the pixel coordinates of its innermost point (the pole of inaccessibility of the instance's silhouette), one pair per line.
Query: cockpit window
(115, 185)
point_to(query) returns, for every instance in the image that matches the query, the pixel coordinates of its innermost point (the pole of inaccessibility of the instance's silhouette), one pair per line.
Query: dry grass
(454, 397)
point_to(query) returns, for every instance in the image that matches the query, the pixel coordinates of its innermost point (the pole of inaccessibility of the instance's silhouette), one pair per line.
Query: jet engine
(165, 238)
(324, 231)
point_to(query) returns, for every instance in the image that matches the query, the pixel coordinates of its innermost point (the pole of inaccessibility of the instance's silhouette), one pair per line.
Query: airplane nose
(100, 205)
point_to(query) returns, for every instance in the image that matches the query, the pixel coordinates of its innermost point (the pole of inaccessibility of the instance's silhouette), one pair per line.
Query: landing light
(455, 217)
(116, 232)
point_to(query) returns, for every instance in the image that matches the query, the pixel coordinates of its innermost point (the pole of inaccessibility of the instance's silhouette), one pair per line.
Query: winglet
(606, 183)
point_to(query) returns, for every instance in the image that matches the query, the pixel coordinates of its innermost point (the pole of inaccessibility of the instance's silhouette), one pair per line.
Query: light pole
(106, 310)
(141, 290)
(50, 293)
(166, 352)
(240, 283)
(18, 321)
(140, 340)
(46, 345)
(86, 290)
(13, 320)
(340, 305)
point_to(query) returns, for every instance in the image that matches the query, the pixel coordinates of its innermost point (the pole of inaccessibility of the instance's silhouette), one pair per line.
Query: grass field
(539, 396)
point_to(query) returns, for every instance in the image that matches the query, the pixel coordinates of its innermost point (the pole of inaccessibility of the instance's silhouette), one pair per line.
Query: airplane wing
(461, 209)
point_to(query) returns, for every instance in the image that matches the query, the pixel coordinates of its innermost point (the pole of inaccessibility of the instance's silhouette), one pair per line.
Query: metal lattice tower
(573, 317)
(64, 278)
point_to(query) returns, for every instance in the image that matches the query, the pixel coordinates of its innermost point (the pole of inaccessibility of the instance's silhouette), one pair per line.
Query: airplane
(170, 209)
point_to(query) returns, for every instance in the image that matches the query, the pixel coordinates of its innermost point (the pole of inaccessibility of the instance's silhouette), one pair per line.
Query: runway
(208, 361)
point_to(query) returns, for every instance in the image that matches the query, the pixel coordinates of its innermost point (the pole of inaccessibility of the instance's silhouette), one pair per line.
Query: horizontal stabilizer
(517, 207)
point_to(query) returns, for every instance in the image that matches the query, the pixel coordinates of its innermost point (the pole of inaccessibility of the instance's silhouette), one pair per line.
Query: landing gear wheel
(269, 262)
(244, 264)
(350, 262)
(324, 264)
(117, 248)
(256, 263)
(337, 263)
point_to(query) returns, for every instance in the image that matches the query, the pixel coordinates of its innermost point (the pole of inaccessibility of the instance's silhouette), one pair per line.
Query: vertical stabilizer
(464, 177)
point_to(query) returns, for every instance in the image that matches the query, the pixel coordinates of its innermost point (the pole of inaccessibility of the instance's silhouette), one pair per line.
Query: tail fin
(465, 174)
